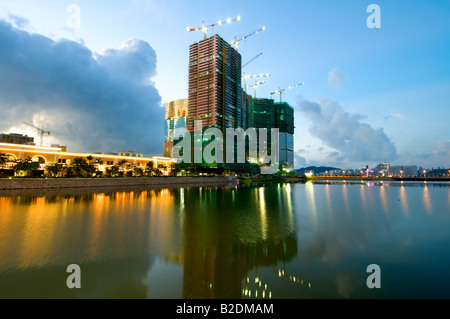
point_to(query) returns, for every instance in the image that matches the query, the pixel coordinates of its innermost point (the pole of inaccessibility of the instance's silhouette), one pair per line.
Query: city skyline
(370, 95)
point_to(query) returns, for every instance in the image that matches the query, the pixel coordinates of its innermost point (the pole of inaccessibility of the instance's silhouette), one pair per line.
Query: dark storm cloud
(90, 102)
(353, 139)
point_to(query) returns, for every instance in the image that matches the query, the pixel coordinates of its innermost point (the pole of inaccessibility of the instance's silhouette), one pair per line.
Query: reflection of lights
(383, 199)
(345, 195)
(364, 199)
(290, 210)
(259, 285)
(312, 203)
(263, 213)
(404, 199)
(427, 200)
(327, 194)
(294, 279)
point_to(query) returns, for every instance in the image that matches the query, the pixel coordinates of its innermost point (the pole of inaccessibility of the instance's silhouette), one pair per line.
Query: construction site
(221, 95)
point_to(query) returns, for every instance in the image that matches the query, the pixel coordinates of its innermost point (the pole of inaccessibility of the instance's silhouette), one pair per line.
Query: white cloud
(335, 78)
(352, 139)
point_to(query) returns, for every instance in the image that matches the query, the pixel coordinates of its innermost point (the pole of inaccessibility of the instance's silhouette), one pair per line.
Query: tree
(174, 169)
(138, 171)
(149, 168)
(112, 171)
(3, 159)
(55, 169)
(26, 166)
(121, 165)
(79, 167)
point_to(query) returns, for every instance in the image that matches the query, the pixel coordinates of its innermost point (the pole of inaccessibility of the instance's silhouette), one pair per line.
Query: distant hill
(315, 169)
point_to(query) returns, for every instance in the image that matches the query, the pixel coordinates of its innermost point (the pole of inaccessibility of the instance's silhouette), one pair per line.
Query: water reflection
(427, 200)
(218, 239)
(384, 203)
(309, 188)
(228, 239)
(404, 200)
(271, 241)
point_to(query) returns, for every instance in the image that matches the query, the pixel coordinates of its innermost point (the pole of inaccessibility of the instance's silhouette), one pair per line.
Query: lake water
(279, 241)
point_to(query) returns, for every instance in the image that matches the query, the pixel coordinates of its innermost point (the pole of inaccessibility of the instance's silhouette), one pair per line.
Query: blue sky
(386, 90)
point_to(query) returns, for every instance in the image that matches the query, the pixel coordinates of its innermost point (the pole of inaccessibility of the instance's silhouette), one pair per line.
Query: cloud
(435, 155)
(354, 140)
(335, 78)
(18, 22)
(89, 101)
(398, 116)
(299, 161)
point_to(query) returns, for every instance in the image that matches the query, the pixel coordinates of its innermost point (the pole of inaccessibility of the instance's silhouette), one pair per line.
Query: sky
(96, 74)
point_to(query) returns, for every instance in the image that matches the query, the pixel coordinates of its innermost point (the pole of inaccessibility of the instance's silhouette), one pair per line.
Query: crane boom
(236, 41)
(251, 60)
(41, 131)
(255, 86)
(205, 28)
(246, 77)
(280, 91)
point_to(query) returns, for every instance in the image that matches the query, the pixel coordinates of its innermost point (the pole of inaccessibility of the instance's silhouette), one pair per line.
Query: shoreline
(77, 185)
(12, 184)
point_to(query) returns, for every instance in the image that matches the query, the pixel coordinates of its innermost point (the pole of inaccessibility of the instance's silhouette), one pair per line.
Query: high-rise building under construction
(214, 95)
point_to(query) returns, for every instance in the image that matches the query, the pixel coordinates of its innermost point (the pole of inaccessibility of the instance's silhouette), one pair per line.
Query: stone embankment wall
(56, 183)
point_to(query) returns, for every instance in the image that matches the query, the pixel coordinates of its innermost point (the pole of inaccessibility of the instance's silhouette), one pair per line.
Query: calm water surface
(272, 241)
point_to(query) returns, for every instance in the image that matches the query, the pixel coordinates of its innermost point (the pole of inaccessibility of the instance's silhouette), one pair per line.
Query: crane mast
(41, 131)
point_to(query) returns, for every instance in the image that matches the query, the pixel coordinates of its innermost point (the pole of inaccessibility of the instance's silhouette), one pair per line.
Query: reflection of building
(15, 138)
(220, 250)
(175, 123)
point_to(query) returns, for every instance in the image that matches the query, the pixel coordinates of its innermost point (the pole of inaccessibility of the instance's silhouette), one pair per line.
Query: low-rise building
(59, 155)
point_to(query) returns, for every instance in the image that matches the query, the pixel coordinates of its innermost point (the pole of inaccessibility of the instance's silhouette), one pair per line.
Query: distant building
(175, 123)
(407, 171)
(382, 169)
(131, 154)
(284, 121)
(15, 138)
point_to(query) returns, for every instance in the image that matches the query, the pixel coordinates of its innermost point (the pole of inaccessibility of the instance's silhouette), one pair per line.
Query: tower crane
(246, 77)
(205, 28)
(251, 60)
(280, 91)
(255, 86)
(236, 41)
(41, 131)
